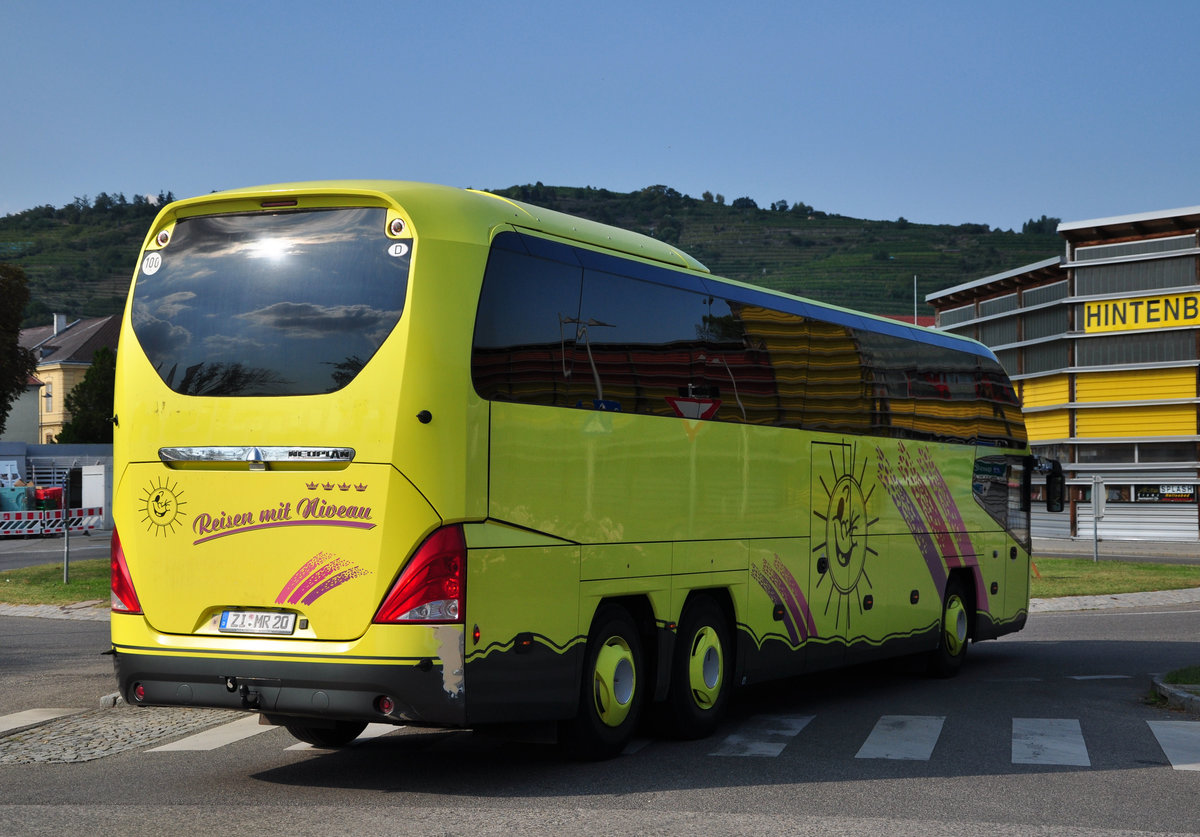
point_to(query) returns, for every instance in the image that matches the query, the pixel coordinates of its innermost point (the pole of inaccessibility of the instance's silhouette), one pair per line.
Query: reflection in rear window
(287, 304)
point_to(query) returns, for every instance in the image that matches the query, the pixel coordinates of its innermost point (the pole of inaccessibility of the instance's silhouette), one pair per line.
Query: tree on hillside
(91, 403)
(16, 363)
(1041, 225)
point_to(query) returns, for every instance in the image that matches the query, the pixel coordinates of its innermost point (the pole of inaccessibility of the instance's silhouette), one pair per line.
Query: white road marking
(372, 731)
(1049, 741)
(763, 736)
(31, 716)
(1180, 741)
(211, 739)
(908, 737)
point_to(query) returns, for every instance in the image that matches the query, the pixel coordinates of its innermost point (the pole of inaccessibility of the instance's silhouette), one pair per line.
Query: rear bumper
(334, 690)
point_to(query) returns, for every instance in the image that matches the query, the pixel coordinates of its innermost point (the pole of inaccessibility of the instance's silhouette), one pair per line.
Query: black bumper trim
(339, 691)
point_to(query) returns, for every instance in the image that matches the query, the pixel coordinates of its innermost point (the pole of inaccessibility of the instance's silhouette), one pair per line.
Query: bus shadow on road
(867, 723)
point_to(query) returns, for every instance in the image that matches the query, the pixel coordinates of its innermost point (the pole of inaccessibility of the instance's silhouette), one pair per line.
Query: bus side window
(642, 342)
(522, 350)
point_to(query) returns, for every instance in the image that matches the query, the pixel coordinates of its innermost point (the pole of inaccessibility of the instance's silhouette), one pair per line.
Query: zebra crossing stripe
(30, 716)
(909, 737)
(1049, 741)
(211, 739)
(1180, 741)
(763, 736)
(372, 731)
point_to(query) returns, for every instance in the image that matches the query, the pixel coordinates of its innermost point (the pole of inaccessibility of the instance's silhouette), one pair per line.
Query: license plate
(257, 622)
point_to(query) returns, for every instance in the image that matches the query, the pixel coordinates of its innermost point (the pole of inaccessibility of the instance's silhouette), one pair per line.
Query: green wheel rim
(614, 681)
(706, 667)
(954, 627)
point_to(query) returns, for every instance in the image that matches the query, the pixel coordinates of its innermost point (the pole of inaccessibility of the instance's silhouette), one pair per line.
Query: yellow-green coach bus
(401, 453)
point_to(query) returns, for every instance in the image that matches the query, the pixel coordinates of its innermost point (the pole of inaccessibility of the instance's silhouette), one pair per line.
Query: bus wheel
(699, 671)
(610, 697)
(338, 735)
(952, 638)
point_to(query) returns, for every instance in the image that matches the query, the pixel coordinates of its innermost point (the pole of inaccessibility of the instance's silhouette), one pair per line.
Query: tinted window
(284, 304)
(525, 325)
(571, 327)
(640, 344)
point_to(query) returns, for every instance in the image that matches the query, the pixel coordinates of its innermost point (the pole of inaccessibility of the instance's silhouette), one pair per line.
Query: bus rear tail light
(432, 588)
(124, 598)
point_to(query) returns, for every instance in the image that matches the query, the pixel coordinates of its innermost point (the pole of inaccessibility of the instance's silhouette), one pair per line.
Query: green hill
(79, 258)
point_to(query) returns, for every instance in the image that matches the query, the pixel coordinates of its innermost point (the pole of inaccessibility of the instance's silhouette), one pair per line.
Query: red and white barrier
(21, 523)
(49, 522)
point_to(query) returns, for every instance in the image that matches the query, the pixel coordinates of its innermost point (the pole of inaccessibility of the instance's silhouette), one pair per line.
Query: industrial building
(1104, 346)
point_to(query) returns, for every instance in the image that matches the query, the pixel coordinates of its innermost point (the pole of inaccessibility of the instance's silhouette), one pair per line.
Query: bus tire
(700, 671)
(953, 630)
(610, 695)
(338, 735)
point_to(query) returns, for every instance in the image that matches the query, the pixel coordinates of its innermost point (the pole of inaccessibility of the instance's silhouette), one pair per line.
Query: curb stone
(1178, 697)
(93, 611)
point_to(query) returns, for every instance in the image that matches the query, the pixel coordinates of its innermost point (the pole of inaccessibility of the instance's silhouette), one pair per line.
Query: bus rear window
(292, 303)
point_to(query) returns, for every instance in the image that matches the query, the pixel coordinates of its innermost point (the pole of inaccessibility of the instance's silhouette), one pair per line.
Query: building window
(1093, 454)
(1167, 452)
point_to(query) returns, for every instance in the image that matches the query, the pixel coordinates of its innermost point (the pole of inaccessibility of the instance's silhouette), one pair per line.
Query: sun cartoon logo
(842, 555)
(162, 506)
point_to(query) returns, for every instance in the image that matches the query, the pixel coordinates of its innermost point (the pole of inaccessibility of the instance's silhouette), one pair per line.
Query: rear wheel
(610, 697)
(339, 734)
(699, 687)
(952, 639)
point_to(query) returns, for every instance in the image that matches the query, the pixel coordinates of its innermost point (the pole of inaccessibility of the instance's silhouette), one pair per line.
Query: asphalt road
(30, 552)
(1091, 669)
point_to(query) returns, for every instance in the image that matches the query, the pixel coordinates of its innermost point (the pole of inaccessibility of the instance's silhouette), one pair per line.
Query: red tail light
(124, 599)
(432, 588)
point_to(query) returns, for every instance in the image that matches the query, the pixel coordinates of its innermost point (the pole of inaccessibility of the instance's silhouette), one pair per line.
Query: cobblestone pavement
(96, 733)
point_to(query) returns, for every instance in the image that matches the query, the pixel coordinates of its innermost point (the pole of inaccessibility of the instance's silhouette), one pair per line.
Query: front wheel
(610, 696)
(339, 734)
(700, 671)
(948, 658)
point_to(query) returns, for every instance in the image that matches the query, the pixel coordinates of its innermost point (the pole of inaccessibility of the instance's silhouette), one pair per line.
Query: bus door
(1016, 556)
(1001, 487)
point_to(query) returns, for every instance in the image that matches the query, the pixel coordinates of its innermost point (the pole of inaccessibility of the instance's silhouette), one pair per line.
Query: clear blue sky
(941, 112)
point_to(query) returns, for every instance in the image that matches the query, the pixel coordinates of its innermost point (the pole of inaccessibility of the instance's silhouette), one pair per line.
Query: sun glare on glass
(269, 248)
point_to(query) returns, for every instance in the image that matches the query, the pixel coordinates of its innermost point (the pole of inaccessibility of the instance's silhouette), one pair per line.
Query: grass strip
(1187, 676)
(43, 584)
(1057, 577)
